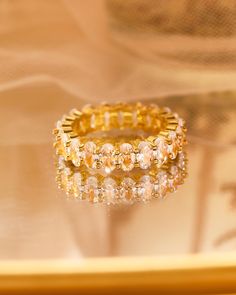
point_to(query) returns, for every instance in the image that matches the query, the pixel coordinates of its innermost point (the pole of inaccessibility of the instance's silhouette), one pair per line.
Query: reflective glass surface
(38, 221)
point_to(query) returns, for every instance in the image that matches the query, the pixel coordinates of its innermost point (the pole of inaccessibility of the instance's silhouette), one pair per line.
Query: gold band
(75, 140)
(143, 185)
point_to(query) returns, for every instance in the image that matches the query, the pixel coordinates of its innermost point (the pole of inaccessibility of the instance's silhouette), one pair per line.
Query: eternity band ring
(163, 137)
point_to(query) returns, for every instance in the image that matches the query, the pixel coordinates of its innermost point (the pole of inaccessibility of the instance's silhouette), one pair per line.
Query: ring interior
(147, 120)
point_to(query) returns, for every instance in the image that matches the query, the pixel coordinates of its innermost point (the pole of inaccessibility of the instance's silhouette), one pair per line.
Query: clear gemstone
(92, 190)
(90, 156)
(136, 192)
(163, 183)
(61, 163)
(65, 139)
(181, 122)
(171, 184)
(77, 184)
(74, 143)
(126, 157)
(181, 161)
(120, 118)
(107, 157)
(58, 125)
(107, 119)
(145, 155)
(161, 153)
(172, 135)
(174, 170)
(172, 150)
(93, 121)
(179, 130)
(127, 186)
(109, 186)
(175, 179)
(146, 183)
(156, 188)
(173, 147)
(92, 181)
(66, 179)
(75, 153)
(135, 118)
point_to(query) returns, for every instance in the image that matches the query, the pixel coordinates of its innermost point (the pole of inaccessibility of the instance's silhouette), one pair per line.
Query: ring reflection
(121, 188)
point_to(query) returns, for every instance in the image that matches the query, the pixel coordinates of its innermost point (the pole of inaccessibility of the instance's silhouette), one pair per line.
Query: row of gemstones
(128, 190)
(107, 115)
(126, 157)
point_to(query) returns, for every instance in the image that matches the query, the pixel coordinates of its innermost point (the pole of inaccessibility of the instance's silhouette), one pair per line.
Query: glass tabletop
(38, 221)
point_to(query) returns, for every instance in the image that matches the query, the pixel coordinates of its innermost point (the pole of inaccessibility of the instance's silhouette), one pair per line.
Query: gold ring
(141, 185)
(162, 135)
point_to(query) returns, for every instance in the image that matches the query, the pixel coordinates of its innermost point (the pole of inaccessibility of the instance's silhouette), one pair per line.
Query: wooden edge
(195, 274)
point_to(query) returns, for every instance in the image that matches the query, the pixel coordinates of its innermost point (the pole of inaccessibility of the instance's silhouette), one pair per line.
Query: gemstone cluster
(120, 190)
(88, 165)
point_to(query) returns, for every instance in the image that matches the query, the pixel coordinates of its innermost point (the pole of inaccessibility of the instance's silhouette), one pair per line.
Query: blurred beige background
(56, 55)
(104, 49)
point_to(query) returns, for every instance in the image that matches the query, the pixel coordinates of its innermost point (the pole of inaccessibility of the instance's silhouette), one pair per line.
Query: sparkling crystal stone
(136, 192)
(109, 186)
(163, 183)
(156, 189)
(174, 170)
(58, 125)
(90, 156)
(93, 121)
(65, 139)
(181, 161)
(120, 118)
(107, 119)
(66, 180)
(61, 163)
(145, 155)
(126, 157)
(146, 185)
(179, 130)
(75, 152)
(172, 150)
(173, 147)
(92, 190)
(77, 184)
(107, 157)
(161, 153)
(181, 122)
(172, 135)
(127, 186)
(135, 118)
(171, 184)
(174, 179)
